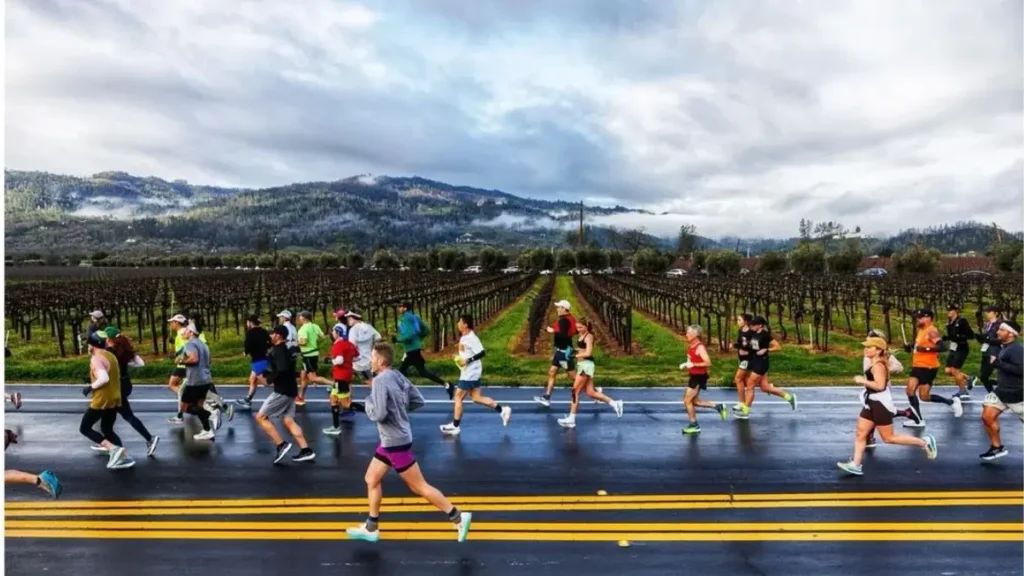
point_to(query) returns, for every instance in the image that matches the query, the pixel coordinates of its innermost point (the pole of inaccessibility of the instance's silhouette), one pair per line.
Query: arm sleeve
(137, 362)
(102, 378)
(415, 398)
(478, 356)
(377, 403)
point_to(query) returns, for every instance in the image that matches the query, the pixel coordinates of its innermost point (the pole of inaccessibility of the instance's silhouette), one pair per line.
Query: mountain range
(116, 211)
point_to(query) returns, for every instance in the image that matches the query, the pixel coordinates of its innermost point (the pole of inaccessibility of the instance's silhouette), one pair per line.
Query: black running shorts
(925, 376)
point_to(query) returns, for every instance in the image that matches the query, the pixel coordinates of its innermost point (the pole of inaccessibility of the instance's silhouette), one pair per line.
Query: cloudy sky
(740, 116)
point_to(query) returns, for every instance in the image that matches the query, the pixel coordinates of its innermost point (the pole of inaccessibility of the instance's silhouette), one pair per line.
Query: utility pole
(581, 226)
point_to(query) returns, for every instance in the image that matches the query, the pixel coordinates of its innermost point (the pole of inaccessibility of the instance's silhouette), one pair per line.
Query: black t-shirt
(257, 343)
(959, 331)
(742, 342)
(562, 338)
(759, 341)
(282, 371)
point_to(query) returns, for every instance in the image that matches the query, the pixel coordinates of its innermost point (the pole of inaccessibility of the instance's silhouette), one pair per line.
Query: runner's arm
(774, 345)
(377, 403)
(881, 378)
(1011, 361)
(705, 359)
(137, 362)
(416, 400)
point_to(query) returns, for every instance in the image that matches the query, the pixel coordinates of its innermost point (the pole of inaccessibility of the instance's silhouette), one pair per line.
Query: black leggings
(415, 359)
(106, 418)
(128, 416)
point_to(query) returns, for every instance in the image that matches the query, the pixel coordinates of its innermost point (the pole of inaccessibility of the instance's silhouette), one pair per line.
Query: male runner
(391, 399)
(924, 366)
(697, 363)
(195, 357)
(105, 388)
(94, 331)
(1009, 391)
(411, 331)
(257, 344)
(761, 344)
(565, 357)
(281, 403)
(364, 337)
(46, 481)
(343, 353)
(121, 347)
(469, 358)
(958, 334)
(309, 335)
(990, 346)
(584, 382)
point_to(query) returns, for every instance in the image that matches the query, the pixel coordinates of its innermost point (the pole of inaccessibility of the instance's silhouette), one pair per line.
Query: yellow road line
(537, 507)
(532, 526)
(540, 499)
(449, 535)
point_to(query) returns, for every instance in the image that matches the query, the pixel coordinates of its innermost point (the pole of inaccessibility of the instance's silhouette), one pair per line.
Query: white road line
(560, 402)
(436, 387)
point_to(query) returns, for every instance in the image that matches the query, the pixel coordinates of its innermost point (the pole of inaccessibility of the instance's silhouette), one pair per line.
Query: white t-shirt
(362, 335)
(469, 346)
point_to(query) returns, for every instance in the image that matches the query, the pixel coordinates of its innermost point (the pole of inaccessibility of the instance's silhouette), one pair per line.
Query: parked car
(474, 270)
(606, 271)
(585, 271)
(511, 270)
(545, 272)
(873, 272)
(676, 273)
(403, 269)
(976, 274)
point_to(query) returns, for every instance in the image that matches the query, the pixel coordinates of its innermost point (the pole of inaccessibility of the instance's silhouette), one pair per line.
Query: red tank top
(694, 357)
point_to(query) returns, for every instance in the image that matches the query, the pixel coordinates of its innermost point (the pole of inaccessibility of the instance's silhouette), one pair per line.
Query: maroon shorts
(400, 458)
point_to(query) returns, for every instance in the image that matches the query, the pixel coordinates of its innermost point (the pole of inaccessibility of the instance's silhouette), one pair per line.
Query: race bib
(984, 347)
(743, 365)
(952, 347)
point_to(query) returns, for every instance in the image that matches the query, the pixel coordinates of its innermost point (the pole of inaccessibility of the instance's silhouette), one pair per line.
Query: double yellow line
(63, 524)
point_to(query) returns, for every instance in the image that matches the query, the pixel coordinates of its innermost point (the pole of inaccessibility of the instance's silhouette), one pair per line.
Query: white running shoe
(567, 422)
(450, 429)
(911, 423)
(230, 409)
(116, 455)
(204, 435)
(542, 401)
(361, 533)
(617, 404)
(506, 415)
(332, 431)
(465, 521)
(99, 448)
(215, 420)
(958, 407)
(124, 463)
(151, 446)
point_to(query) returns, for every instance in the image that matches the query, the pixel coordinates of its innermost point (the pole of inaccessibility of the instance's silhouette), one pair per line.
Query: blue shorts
(467, 384)
(260, 366)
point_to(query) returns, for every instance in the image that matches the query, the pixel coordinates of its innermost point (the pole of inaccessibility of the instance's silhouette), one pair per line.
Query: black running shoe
(282, 451)
(304, 455)
(994, 453)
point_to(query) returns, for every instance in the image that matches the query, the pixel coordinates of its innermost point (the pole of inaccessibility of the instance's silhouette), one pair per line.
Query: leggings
(106, 418)
(415, 360)
(128, 416)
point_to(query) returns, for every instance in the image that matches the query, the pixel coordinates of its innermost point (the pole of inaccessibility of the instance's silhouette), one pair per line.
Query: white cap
(180, 319)
(285, 314)
(184, 332)
(96, 315)
(563, 304)
(353, 314)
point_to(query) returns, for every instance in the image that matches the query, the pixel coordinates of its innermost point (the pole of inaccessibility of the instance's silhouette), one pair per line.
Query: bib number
(984, 347)
(952, 347)
(743, 365)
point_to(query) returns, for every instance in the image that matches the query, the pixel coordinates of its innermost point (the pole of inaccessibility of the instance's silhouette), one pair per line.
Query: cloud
(740, 116)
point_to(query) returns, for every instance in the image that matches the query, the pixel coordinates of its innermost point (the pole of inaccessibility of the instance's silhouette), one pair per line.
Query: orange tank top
(924, 359)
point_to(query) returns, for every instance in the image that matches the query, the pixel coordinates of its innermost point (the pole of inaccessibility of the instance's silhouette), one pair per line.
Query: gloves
(327, 360)
(686, 365)
(86, 391)
(908, 347)
(87, 381)
(394, 339)
(980, 338)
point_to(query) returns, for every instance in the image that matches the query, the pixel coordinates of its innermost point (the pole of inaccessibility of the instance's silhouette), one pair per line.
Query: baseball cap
(306, 314)
(563, 304)
(876, 342)
(111, 331)
(758, 321)
(96, 314)
(923, 313)
(340, 329)
(184, 331)
(253, 319)
(407, 305)
(179, 318)
(285, 314)
(952, 306)
(353, 314)
(280, 331)
(339, 313)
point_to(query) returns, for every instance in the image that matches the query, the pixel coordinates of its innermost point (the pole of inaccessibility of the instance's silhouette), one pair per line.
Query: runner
(178, 373)
(879, 408)
(391, 399)
(1009, 391)
(364, 337)
(213, 403)
(469, 359)
(257, 344)
(309, 335)
(585, 379)
(285, 319)
(563, 329)
(343, 353)
(14, 398)
(121, 347)
(990, 346)
(742, 348)
(281, 402)
(411, 331)
(105, 388)
(46, 481)
(94, 331)
(195, 357)
(895, 367)
(924, 366)
(761, 344)
(958, 334)
(697, 363)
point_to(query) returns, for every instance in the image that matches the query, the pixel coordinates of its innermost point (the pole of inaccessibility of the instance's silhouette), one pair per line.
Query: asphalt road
(614, 496)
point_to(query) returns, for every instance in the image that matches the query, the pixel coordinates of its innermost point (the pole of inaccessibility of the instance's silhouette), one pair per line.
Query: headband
(1008, 328)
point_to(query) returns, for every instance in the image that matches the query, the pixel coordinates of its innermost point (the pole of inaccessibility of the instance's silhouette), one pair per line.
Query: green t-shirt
(311, 332)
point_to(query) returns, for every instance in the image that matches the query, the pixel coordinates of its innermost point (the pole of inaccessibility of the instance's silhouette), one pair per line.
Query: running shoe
(542, 401)
(958, 407)
(361, 533)
(175, 420)
(116, 455)
(450, 390)
(931, 447)
(244, 403)
(124, 463)
(282, 451)
(50, 484)
(741, 416)
(745, 410)
(450, 429)
(738, 407)
(300, 401)
(692, 429)
(99, 448)
(567, 422)
(151, 446)
(304, 455)
(506, 415)
(962, 394)
(851, 468)
(994, 452)
(871, 442)
(972, 381)
(722, 411)
(792, 401)
(332, 431)
(16, 400)
(913, 414)
(465, 520)
(599, 390)
(911, 423)
(617, 404)
(205, 435)
(230, 409)
(215, 421)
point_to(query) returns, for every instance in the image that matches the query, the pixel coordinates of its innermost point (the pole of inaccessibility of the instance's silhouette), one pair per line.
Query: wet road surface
(628, 495)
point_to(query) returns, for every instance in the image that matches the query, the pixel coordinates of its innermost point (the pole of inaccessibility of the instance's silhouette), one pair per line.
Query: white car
(473, 269)
(511, 270)
(676, 273)
(606, 271)
(585, 271)
(545, 272)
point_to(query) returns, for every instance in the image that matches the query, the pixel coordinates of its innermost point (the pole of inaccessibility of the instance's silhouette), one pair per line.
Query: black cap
(407, 305)
(281, 331)
(952, 306)
(923, 313)
(758, 321)
(253, 319)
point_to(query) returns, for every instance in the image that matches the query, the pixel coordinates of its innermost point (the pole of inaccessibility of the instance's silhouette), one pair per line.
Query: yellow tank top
(924, 359)
(109, 396)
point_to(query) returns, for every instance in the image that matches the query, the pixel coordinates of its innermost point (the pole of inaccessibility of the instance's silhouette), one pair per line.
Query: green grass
(655, 363)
